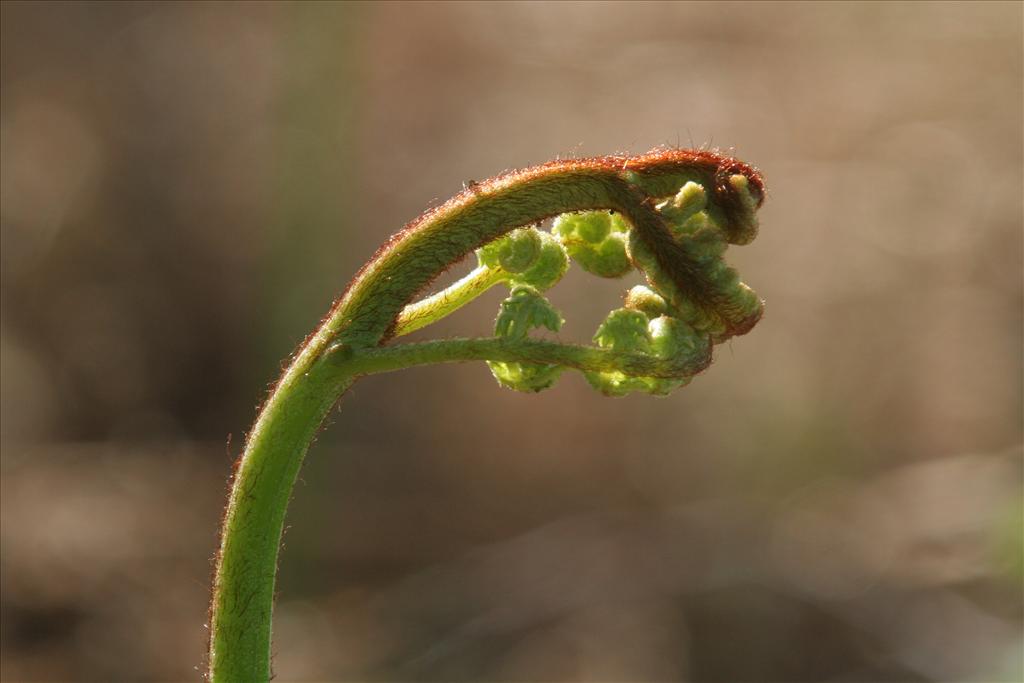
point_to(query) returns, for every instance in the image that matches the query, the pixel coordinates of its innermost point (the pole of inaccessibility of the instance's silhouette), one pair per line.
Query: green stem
(243, 590)
(447, 301)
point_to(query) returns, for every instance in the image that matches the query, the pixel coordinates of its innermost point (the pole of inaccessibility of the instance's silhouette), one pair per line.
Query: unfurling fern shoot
(671, 214)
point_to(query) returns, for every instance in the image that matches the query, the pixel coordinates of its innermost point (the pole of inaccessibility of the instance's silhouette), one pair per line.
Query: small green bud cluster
(659, 322)
(640, 327)
(697, 229)
(596, 240)
(526, 256)
(744, 228)
(523, 310)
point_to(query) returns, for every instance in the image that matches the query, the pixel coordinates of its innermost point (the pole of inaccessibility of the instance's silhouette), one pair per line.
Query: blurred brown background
(185, 188)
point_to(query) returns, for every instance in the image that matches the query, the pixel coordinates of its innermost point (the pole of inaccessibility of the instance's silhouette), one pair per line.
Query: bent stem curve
(243, 586)
(375, 307)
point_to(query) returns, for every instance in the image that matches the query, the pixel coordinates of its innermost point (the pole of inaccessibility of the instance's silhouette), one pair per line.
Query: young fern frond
(669, 213)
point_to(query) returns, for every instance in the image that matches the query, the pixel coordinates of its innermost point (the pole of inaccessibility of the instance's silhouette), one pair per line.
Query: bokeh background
(186, 187)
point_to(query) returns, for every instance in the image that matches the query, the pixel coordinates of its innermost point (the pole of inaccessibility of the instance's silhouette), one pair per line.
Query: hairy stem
(447, 301)
(243, 589)
(349, 343)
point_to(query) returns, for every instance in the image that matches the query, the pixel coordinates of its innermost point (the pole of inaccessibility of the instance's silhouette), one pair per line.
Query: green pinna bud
(704, 244)
(595, 240)
(624, 330)
(688, 202)
(616, 383)
(523, 310)
(741, 184)
(687, 213)
(743, 228)
(663, 337)
(690, 199)
(606, 259)
(659, 280)
(645, 300)
(619, 224)
(589, 226)
(515, 252)
(722, 276)
(526, 377)
(672, 338)
(741, 303)
(549, 267)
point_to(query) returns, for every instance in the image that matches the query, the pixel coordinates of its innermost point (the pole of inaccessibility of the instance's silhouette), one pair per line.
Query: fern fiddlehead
(669, 213)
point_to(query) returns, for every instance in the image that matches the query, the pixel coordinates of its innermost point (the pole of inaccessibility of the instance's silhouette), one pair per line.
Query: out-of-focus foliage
(186, 186)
